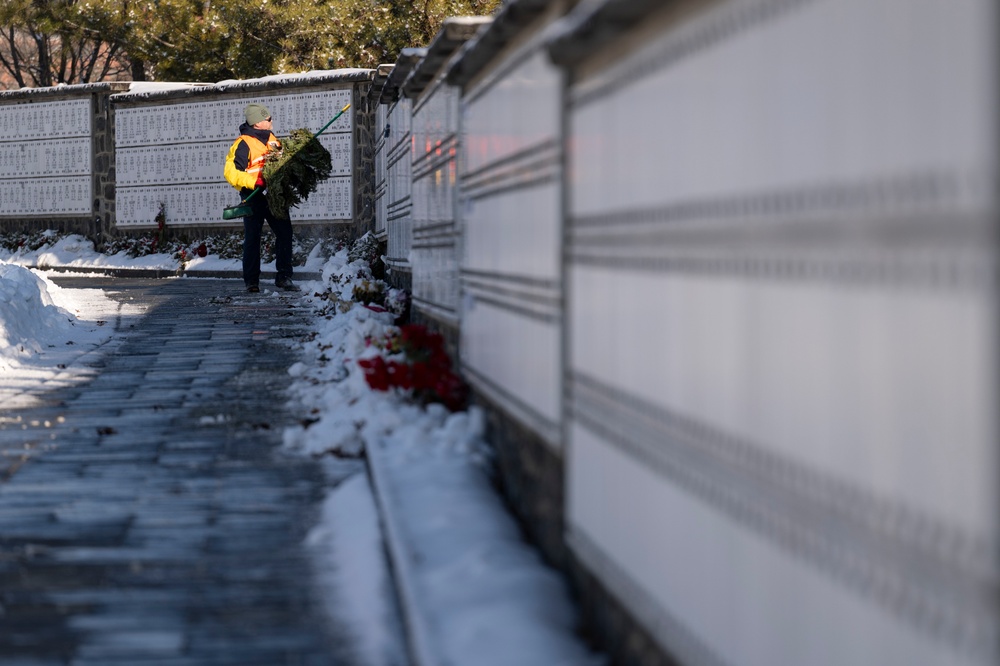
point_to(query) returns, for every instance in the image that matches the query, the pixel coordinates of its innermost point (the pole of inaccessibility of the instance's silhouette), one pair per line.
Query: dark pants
(253, 224)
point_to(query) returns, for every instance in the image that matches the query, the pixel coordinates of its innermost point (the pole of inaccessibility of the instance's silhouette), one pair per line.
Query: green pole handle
(332, 120)
(250, 196)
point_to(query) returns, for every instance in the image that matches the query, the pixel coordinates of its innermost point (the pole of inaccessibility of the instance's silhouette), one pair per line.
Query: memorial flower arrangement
(413, 360)
(397, 301)
(160, 239)
(377, 295)
(355, 283)
(369, 292)
(369, 250)
(409, 358)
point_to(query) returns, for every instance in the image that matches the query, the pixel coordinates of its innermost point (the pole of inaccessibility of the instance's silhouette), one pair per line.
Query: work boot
(253, 289)
(286, 284)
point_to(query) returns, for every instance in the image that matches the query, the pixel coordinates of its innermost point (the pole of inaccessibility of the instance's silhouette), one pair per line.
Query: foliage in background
(42, 43)
(27, 241)
(223, 246)
(45, 42)
(367, 33)
(293, 172)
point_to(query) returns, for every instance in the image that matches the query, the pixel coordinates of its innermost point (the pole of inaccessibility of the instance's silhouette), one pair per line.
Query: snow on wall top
(142, 93)
(314, 76)
(64, 90)
(143, 87)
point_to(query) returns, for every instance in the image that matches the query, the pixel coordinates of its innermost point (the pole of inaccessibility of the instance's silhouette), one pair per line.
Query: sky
(471, 589)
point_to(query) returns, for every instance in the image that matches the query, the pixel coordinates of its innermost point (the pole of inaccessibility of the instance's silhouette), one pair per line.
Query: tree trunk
(13, 65)
(138, 69)
(42, 71)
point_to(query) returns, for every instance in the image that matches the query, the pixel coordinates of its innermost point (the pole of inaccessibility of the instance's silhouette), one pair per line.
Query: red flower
(426, 368)
(423, 376)
(376, 373)
(400, 374)
(421, 344)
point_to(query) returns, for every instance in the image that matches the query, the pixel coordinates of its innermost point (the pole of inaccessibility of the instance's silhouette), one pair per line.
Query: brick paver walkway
(149, 517)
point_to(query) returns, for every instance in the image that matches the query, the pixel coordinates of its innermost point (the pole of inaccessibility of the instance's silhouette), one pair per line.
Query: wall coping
(407, 60)
(382, 73)
(592, 26)
(277, 83)
(63, 92)
(454, 33)
(478, 52)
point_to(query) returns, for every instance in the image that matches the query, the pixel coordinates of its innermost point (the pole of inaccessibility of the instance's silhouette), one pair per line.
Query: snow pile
(332, 386)
(487, 597)
(75, 250)
(45, 331)
(358, 594)
(30, 320)
(479, 593)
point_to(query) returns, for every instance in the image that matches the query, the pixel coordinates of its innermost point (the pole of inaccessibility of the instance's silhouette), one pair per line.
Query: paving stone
(125, 621)
(60, 533)
(136, 527)
(102, 457)
(135, 643)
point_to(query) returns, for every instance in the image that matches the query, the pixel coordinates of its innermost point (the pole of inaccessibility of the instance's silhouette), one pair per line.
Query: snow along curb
(165, 272)
(422, 649)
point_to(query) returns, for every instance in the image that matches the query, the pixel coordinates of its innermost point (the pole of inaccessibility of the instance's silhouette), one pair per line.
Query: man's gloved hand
(260, 180)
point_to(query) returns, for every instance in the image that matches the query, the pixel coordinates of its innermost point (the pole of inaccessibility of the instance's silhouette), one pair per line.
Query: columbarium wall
(781, 370)
(56, 159)
(170, 147)
(509, 212)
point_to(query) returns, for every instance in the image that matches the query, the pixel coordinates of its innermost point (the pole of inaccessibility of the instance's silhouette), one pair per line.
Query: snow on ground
(473, 590)
(78, 252)
(46, 332)
(480, 594)
(346, 547)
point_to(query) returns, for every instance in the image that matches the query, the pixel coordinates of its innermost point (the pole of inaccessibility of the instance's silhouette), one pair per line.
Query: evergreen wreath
(293, 172)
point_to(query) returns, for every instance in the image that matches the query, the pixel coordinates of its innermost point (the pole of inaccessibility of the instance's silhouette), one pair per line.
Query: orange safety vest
(255, 161)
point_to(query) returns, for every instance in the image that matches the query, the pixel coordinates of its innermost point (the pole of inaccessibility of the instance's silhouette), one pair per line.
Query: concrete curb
(422, 649)
(158, 273)
(111, 272)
